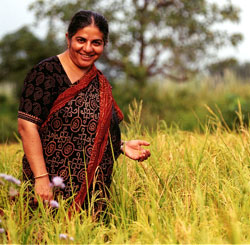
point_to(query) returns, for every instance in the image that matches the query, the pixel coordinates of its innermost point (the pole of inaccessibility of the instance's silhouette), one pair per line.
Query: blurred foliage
(181, 105)
(149, 38)
(20, 51)
(219, 68)
(242, 70)
(8, 119)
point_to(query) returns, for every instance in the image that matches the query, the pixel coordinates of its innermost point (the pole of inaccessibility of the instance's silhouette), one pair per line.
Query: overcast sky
(14, 14)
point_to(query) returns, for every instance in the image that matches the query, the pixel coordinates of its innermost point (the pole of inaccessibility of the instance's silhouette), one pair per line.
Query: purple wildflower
(54, 204)
(10, 179)
(3, 176)
(2, 230)
(58, 181)
(63, 236)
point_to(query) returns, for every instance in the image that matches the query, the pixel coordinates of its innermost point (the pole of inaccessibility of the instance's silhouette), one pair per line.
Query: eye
(81, 40)
(97, 42)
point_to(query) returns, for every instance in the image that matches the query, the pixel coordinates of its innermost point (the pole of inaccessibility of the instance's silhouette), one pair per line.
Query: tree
(241, 70)
(152, 37)
(20, 51)
(219, 68)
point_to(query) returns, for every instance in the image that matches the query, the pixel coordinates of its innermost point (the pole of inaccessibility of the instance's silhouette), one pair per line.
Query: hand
(43, 188)
(134, 151)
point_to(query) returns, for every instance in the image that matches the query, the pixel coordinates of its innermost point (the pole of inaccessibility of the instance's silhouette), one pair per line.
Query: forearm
(32, 146)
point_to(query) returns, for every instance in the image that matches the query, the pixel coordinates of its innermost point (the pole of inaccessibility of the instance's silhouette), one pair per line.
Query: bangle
(42, 175)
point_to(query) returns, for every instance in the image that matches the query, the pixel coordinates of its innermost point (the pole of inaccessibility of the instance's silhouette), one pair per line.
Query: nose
(88, 47)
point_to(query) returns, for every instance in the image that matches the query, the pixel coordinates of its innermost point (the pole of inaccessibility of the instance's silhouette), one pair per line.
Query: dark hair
(85, 18)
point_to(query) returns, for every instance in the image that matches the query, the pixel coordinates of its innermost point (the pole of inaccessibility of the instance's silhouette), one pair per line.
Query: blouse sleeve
(36, 101)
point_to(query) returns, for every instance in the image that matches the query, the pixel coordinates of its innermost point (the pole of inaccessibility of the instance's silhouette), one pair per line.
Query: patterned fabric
(43, 84)
(70, 133)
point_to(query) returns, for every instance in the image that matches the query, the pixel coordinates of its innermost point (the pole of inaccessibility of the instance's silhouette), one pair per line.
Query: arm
(134, 150)
(33, 150)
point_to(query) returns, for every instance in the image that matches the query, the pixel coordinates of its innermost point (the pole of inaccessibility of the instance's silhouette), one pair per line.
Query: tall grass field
(195, 188)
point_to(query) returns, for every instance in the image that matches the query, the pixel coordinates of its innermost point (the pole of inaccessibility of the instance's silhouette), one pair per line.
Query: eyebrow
(97, 39)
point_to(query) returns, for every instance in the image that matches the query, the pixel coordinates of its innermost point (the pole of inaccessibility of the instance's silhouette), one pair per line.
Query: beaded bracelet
(42, 175)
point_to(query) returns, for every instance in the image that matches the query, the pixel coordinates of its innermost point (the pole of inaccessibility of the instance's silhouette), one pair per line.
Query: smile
(86, 56)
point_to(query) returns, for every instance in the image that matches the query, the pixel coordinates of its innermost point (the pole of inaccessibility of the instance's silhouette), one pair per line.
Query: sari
(75, 136)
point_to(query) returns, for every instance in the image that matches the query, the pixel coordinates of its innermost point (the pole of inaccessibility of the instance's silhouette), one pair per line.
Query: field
(194, 189)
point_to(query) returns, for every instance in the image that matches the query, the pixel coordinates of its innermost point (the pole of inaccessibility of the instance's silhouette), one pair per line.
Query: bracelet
(42, 175)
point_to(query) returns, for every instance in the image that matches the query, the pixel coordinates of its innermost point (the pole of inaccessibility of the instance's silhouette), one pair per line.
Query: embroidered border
(29, 117)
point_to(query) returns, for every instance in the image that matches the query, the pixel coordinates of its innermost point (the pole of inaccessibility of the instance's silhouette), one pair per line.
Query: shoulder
(45, 68)
(51, 59)
(48, 64)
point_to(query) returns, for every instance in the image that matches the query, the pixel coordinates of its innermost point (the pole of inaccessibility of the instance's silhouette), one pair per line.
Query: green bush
(184, 105)
(8, 119)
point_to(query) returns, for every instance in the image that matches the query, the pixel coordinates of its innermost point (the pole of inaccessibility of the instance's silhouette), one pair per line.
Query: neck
(73, 71)
(73, 65)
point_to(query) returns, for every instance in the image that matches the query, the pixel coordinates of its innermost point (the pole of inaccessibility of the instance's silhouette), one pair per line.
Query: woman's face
(86, 46)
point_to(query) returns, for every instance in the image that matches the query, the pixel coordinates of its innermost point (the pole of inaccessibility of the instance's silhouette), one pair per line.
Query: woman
(68, 119)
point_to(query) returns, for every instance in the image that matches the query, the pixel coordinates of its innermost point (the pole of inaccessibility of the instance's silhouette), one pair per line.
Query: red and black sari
(78, 123)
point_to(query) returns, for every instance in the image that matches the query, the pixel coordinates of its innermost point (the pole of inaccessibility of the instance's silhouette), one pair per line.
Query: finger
(144, 156)
(143, 142)
(136, 156)
(148, 154)
(45, 197)
(142, 159)
(37, 198)
(145, 153)
(50, 197)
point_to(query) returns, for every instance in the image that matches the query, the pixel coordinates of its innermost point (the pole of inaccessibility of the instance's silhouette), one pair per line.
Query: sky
(14, 14)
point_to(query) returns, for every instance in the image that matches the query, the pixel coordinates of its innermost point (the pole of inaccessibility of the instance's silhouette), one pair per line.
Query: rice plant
(195, 188)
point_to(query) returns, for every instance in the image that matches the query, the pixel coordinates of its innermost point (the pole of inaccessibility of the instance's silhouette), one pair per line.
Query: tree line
(171, 39)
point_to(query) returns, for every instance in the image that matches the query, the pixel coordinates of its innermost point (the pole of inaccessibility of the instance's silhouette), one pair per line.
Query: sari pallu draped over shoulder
(106, 103)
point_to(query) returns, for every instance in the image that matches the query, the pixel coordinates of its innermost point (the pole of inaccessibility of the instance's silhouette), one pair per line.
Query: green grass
(195, 188)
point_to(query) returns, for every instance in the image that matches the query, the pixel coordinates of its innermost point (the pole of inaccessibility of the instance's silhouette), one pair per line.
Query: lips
(84, 56)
